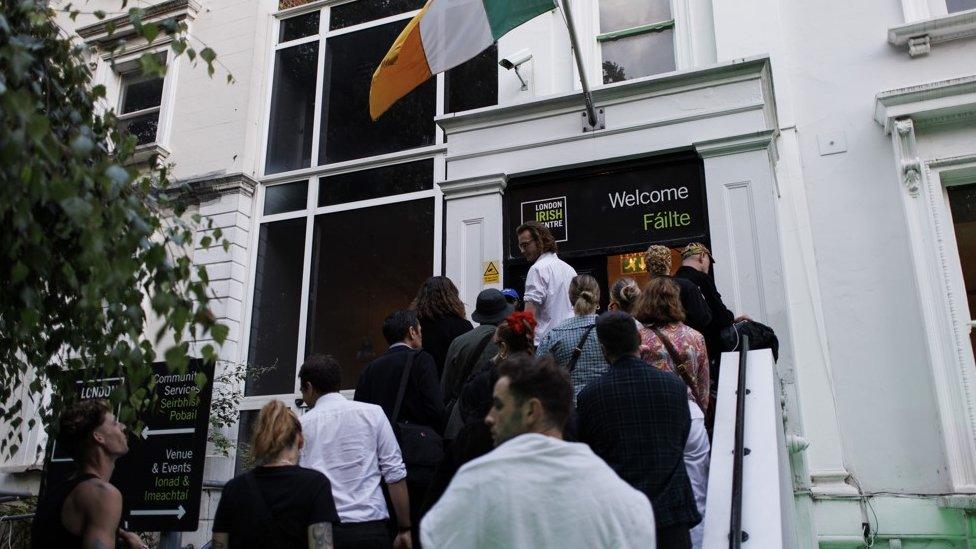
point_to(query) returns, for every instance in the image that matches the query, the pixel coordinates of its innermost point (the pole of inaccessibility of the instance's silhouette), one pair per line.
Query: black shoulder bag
(420, 445)
(578, 351)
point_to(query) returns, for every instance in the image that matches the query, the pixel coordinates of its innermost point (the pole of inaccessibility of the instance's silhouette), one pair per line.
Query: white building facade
(827, 153)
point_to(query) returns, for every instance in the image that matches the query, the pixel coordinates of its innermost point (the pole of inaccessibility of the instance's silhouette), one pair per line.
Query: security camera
(514, 61)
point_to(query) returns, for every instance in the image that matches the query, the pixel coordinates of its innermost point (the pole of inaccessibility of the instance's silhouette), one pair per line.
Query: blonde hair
(584, 293)
(625, 293)
(277, 429)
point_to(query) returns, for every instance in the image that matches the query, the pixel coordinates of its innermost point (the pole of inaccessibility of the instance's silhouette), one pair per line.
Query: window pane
(273, 343)
(245, 425)
(624, 14)
(285, 198)
(366, 263)
(299, 27)
(355, 13)
(142, 95)
(474, 83)
(962, 202)
(292, 108)
(364, 184)
(636, 56)
(143, 127)
(960, 5)
(348, 132)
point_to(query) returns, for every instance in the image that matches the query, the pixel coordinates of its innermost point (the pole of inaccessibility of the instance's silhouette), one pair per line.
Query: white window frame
(929, 22)
(314, 173)
(127, 80)
(940, 291)
(694, 36)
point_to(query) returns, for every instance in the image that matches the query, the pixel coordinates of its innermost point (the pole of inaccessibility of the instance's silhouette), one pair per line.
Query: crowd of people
(547, 425)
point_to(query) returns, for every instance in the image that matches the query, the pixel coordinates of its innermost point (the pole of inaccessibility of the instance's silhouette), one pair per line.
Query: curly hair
(658, 260)
(518, 332)
(625, 293)
(276, 430)
(540, 234)
(660, 303)
(78, 423)
(437, 298)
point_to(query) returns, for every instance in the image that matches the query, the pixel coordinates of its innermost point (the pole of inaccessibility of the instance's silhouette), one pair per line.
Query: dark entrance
(603, 216)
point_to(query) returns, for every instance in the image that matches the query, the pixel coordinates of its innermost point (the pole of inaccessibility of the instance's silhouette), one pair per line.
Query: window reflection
(292, 108)
(364, 184)
(618, 15)
(273, 344)
(474, 83)
(636, 56)
(366, 263)
(354, 13)
(348, 132)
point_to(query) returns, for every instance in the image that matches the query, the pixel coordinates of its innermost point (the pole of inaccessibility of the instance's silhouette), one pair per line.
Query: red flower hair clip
(521, 322)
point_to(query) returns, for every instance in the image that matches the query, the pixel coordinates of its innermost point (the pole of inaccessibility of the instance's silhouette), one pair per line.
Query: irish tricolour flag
(443, 35)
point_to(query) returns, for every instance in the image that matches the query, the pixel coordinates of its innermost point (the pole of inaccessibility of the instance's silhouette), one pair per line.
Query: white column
(766, 268)
(229, 203)
(473, 233)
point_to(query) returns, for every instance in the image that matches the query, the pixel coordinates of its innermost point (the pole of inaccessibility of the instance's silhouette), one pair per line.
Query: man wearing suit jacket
(636, 418)
(422, 401)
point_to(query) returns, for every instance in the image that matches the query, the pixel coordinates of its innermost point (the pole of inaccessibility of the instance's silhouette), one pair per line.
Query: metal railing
(736, 535)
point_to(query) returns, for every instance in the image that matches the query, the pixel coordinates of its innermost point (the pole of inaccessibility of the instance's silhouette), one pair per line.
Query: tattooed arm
(320, 535)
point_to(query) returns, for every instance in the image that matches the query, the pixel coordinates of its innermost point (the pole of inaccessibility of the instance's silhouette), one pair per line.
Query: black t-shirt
(295, 496)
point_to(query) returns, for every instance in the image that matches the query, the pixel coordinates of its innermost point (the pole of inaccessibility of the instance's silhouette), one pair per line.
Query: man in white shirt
(353, 445)
(547, 284)
(534, 489)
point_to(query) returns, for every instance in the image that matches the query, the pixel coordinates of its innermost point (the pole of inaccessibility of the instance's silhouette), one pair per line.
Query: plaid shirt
(560, 342)
(636, 418)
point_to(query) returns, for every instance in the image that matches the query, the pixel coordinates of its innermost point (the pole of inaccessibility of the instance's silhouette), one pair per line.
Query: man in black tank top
(84, 511)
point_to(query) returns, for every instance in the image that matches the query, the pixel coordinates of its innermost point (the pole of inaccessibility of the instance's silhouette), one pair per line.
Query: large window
(636, 38)
(962, 204)
(954, 6)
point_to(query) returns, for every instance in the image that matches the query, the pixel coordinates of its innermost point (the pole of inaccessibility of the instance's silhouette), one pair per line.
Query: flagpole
(574, 42)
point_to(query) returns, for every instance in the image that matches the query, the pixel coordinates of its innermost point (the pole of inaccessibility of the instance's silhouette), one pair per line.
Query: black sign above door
(613, 207)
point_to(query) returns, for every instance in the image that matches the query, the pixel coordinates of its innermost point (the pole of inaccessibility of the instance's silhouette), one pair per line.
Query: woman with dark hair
(624, 294)
(441, 315)
(573, 343)
(276, 504)
(513, 337)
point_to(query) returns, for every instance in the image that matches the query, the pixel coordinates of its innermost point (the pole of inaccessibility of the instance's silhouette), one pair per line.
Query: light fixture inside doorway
(516, 60)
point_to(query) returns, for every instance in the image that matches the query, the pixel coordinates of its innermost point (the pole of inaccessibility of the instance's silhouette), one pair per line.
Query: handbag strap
(578, 351)
(473, 359)
(679, 367)
(411, 354)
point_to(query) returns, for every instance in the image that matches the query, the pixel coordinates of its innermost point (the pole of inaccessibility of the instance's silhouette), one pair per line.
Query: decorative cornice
(207, 188)
(743, 69)
(765, 139)
(927, 102)
(474, 186)
(98, 34)
(918, 36)
(910, 168)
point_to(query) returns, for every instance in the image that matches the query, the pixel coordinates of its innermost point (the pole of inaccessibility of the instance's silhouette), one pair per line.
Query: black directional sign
(162, 475)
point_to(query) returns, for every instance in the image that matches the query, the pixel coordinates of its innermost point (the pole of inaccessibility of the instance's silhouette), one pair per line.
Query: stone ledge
(920, 35)
(98, 34)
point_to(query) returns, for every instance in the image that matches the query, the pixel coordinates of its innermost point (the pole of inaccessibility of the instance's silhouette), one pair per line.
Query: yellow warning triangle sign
(491, 270)
(491, 274)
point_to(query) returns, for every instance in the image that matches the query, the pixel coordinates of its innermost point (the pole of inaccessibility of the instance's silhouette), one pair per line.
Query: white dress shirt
(547, 287)
(353, 445)
(539, 491)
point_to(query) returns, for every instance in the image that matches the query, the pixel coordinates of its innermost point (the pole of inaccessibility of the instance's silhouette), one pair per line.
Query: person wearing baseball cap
(657, 258)
(696, 264)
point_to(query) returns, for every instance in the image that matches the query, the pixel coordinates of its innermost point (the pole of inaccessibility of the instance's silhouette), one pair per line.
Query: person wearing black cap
(472, 350)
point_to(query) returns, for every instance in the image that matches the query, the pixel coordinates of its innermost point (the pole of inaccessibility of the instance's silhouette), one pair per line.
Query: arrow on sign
(147, 432)
(179, 512)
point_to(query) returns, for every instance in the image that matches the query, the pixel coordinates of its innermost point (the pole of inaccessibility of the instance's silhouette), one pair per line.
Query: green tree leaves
(92, 251)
